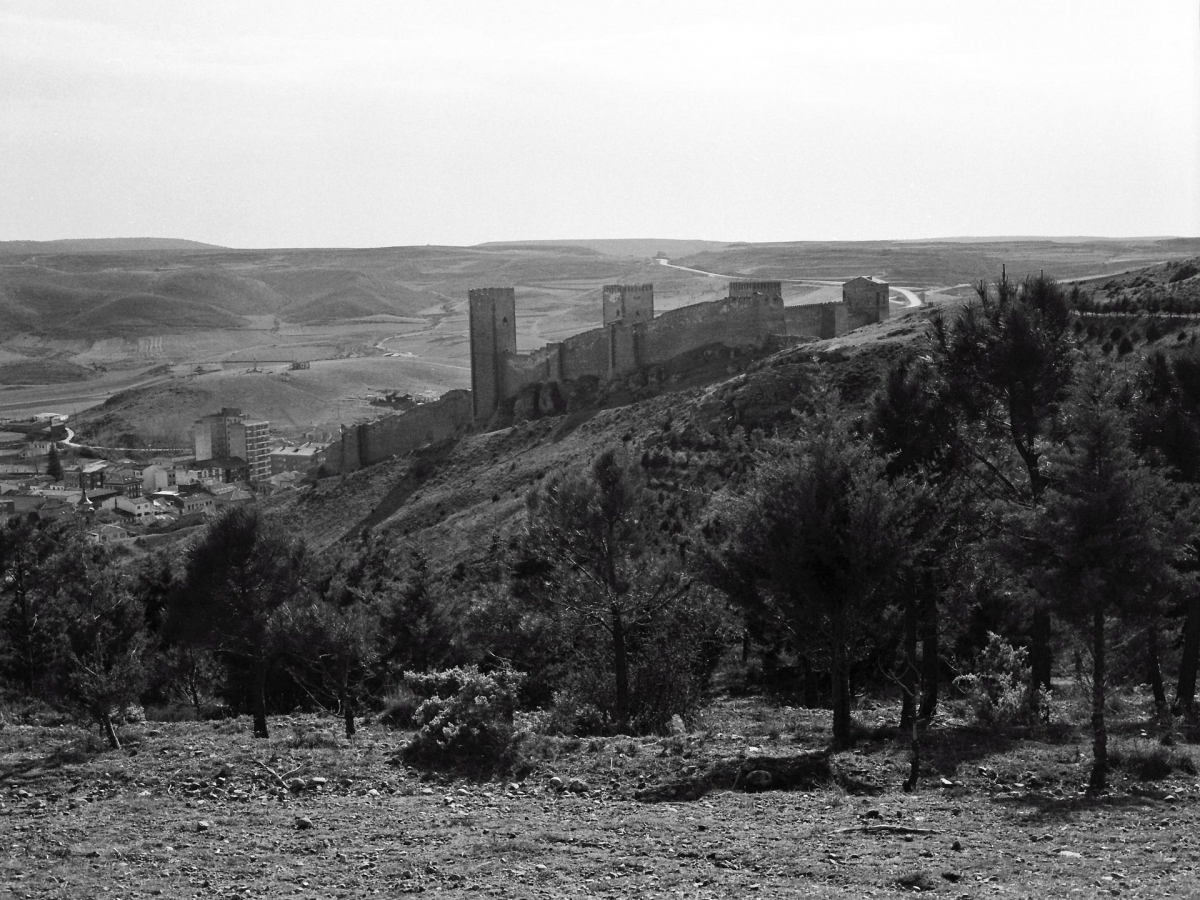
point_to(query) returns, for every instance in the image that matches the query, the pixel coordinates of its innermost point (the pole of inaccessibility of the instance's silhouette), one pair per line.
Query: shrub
(465, 722)
(998, 690)
(400, 707)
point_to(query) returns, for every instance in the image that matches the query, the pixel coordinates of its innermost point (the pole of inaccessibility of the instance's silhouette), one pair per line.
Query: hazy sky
(300, 123)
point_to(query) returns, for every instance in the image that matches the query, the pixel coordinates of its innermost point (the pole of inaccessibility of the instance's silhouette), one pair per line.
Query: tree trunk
(1185, 690)
(811, 696)
(839, 672)
(258, 698)
(1040, 659)
(110, 732)
(908, 677)
(348, 712)
(1099, 735)
(621, 667)
(914, 761)
(930, 656)
(1155, 669)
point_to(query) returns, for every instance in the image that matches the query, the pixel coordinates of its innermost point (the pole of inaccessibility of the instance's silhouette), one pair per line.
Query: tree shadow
(1047, 808)
(33, 768)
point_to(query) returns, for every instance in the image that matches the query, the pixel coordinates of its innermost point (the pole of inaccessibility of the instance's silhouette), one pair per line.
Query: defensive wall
(630, 338)
(367, 443)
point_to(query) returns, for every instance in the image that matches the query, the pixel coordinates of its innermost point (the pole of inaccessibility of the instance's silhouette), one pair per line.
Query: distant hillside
(936, 262)
(641, 247)
(135, 314)
(42, 371)
(103, 245)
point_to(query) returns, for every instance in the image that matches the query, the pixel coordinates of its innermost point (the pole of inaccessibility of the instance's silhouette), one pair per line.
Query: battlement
(741, 289)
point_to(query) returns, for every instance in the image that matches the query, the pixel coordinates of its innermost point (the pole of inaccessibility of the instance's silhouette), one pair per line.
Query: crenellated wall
(742, 289)
(368, 443)
(522, 369)
(745, 322)
(816, 320)
(630, 339)
(585, 354)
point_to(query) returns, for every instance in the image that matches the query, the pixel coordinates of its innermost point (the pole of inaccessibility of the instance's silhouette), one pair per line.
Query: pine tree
(819, 534)
(1106, 537)
(53, 464)
(237, 579)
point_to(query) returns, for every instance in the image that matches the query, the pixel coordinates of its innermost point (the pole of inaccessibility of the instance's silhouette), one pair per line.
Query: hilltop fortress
(631, 343)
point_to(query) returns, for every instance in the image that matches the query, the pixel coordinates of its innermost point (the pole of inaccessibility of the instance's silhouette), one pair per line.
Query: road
(913, 300)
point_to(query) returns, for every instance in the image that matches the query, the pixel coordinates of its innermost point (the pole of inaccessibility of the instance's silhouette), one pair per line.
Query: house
(139, 509)
(225, 470)
(105, 498)
(200, 502)
(108, 534)
(88, 475)
(127, 481)
(301, 458)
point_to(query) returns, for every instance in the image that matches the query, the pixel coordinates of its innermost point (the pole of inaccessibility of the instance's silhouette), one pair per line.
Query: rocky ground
(202, 809)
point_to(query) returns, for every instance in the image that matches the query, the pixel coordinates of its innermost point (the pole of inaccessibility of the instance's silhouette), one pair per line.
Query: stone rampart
(585, 354)
(746, 322)
(741, 289)
(816, 320)
(519, 370)
(368, 443)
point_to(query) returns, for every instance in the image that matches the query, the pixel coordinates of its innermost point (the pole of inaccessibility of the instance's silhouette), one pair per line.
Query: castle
(630, 339)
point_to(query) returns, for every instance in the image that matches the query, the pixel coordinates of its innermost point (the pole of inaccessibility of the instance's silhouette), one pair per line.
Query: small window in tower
(504, 321)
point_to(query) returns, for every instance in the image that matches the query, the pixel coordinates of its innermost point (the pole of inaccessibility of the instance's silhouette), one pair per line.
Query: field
(195, 809)
(229, 322)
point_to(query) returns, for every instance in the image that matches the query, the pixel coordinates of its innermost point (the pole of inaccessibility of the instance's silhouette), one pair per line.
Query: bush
(998, 690)
(400, 707)
(465, 722)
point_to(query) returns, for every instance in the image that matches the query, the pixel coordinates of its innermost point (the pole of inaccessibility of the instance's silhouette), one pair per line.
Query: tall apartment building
(229, 434)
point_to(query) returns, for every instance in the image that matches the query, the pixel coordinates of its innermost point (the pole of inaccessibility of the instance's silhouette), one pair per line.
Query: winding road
(910, 295)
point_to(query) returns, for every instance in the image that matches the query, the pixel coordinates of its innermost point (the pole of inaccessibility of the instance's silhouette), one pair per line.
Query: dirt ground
(196, 810)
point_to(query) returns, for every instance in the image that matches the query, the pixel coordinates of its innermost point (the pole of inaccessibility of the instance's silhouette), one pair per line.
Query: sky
(305, 124)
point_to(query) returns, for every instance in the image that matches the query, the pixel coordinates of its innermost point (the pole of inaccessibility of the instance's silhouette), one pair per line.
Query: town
(125, 497)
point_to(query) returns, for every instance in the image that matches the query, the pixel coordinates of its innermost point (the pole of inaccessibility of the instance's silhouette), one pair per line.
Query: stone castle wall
(746, 322)
(631, 338)
(449, 416)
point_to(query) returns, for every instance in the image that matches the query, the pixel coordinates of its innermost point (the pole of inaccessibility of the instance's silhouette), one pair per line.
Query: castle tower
(866, 300)
(632, 304)
(627, 310)
(493, 329)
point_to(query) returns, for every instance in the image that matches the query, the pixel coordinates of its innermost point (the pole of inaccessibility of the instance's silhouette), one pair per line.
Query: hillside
(927, 263)
(456, 498)
(103, 245)
(395, 318)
